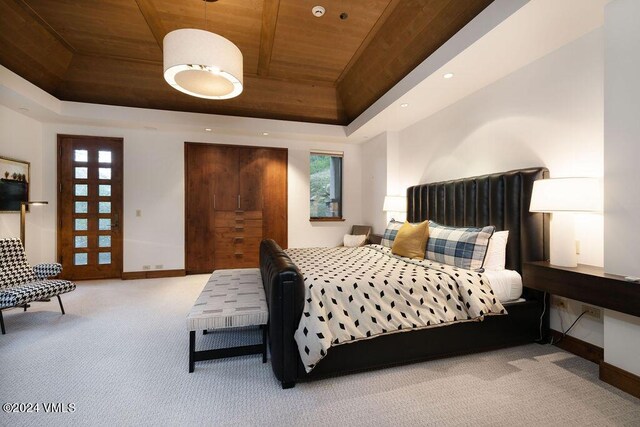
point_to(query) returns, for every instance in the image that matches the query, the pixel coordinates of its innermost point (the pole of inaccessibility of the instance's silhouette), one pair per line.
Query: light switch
(138, 212)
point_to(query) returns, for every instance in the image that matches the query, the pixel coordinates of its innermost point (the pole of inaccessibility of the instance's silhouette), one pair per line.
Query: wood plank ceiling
(296, 66)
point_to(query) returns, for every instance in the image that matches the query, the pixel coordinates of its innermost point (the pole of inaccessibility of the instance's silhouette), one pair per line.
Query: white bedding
(506, 284)
(359, 293)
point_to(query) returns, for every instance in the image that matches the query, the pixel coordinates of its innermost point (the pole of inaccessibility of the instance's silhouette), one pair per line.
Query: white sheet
(506, 284)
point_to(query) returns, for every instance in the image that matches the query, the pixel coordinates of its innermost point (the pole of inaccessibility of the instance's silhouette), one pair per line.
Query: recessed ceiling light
(265, 133)
(448, 75)
(208, 129)
(404, 105)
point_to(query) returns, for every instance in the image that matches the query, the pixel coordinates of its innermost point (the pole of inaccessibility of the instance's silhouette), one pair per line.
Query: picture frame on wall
(14, 183)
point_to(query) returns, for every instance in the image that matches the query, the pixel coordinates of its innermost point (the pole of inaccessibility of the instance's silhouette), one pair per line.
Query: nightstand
(584, 283)
(593, 286)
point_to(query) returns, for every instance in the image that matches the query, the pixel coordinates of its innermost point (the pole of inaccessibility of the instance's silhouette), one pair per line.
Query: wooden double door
(235, 197)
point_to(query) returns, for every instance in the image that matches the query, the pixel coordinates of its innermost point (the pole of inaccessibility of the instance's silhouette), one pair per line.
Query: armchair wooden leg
(60, 301)
(2, 323)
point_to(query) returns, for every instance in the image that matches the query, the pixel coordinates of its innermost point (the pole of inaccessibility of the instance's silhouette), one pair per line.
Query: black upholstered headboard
(500, 199)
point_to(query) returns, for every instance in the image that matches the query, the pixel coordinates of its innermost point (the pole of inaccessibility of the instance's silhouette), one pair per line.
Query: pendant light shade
(202, 64)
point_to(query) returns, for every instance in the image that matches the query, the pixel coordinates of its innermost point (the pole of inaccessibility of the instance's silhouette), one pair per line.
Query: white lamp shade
(395, 204)
(567, 195)
(202, 64)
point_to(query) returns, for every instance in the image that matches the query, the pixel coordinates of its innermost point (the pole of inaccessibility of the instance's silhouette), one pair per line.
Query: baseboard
(619, 378)
(578, 347)
(152, 274)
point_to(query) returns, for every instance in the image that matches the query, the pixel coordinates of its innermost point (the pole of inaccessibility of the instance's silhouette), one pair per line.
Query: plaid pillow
(463, 247)
(390, 233)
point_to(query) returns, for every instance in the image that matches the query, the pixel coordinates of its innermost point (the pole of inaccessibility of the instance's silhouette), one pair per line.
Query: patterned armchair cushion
(44, 271)
(20, 284)
(23, 294)
(15, 268)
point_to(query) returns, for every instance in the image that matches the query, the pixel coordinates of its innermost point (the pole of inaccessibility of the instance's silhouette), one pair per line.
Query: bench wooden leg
(2, 323)
(192, 350)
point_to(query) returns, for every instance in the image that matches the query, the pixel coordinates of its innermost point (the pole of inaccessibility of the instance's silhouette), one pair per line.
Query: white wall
(20, 138)
(374, 182)
(154, 183)
(622, 151)
(549, 113)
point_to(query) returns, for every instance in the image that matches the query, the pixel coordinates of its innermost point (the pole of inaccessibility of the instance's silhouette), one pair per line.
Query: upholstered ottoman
(230, 299)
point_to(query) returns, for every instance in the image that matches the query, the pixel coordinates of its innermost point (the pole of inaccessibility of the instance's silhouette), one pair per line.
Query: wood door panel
(90, 207)
(275, 192)
(224, 167)
(199, 209)
(251, 165)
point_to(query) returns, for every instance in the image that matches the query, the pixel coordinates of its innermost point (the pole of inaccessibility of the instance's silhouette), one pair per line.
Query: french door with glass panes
(90, 207)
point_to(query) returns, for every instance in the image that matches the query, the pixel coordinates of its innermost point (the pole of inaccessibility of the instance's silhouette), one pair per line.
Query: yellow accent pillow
(411, 240)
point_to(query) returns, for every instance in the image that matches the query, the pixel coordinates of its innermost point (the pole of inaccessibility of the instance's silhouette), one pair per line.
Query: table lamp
(397, 204)
(563, 197)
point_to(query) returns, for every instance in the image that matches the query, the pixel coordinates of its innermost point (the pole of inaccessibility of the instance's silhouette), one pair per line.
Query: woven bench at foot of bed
(230, 299)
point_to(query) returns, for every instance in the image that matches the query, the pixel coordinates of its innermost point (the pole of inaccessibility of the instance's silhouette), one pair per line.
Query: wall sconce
(563, 197)
(23, 213)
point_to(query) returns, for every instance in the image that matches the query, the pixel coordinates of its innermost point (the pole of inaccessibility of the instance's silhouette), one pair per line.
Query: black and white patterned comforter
(360, 293)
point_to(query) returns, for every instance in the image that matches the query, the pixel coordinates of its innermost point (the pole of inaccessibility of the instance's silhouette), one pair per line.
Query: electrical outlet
(558, 302)
(146, 267)
(592, 311)
(159, 266)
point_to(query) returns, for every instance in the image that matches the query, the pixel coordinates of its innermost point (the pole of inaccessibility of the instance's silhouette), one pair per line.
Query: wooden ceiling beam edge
(270, 10)
(372, 33)
(45, 25)
(153, 20)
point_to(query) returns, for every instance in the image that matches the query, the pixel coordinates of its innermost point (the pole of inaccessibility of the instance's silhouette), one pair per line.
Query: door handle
(116, 221)
(238, 202)
(214, 202)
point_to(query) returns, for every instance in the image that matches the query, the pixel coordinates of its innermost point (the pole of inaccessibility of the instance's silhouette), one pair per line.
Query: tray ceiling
(296, 66)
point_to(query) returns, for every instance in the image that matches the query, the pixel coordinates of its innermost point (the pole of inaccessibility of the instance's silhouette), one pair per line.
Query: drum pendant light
(202, 64)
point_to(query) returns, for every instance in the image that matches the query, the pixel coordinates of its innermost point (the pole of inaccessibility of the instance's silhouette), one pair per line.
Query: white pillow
(352, 241)
(497, 251)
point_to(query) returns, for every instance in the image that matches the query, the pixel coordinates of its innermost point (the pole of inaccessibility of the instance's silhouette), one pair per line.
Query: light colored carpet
(120, 355)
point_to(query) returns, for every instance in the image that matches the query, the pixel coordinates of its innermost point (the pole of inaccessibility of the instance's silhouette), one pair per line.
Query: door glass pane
(81, 224)
(104, 207)
(82, 190)
(81, 241)
(104, 258)
(104, 173)
(104, 190)
(81, 207)
(104, 156)
(80, 259)
(81, 173)
(104, 224)
(80, 156)
(104, 241)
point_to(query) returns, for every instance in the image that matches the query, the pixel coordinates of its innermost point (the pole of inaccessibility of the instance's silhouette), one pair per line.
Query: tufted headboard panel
(500, 199)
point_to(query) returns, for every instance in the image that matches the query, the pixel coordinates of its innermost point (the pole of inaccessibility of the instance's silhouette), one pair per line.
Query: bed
(498, 199)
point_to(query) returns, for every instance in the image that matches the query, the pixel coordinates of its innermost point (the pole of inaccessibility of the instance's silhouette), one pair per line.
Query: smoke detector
(318, 11)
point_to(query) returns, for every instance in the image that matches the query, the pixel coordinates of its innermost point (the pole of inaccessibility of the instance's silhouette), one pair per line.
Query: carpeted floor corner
(119, 356)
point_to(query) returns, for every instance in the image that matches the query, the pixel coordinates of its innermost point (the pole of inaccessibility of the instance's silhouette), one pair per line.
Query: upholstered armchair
(20, 284)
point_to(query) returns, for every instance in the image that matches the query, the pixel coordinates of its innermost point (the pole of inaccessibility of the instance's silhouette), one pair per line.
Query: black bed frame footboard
(500, 199)
(284, 288)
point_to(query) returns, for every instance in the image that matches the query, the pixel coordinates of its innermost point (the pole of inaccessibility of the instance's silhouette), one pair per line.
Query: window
(325, 178)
